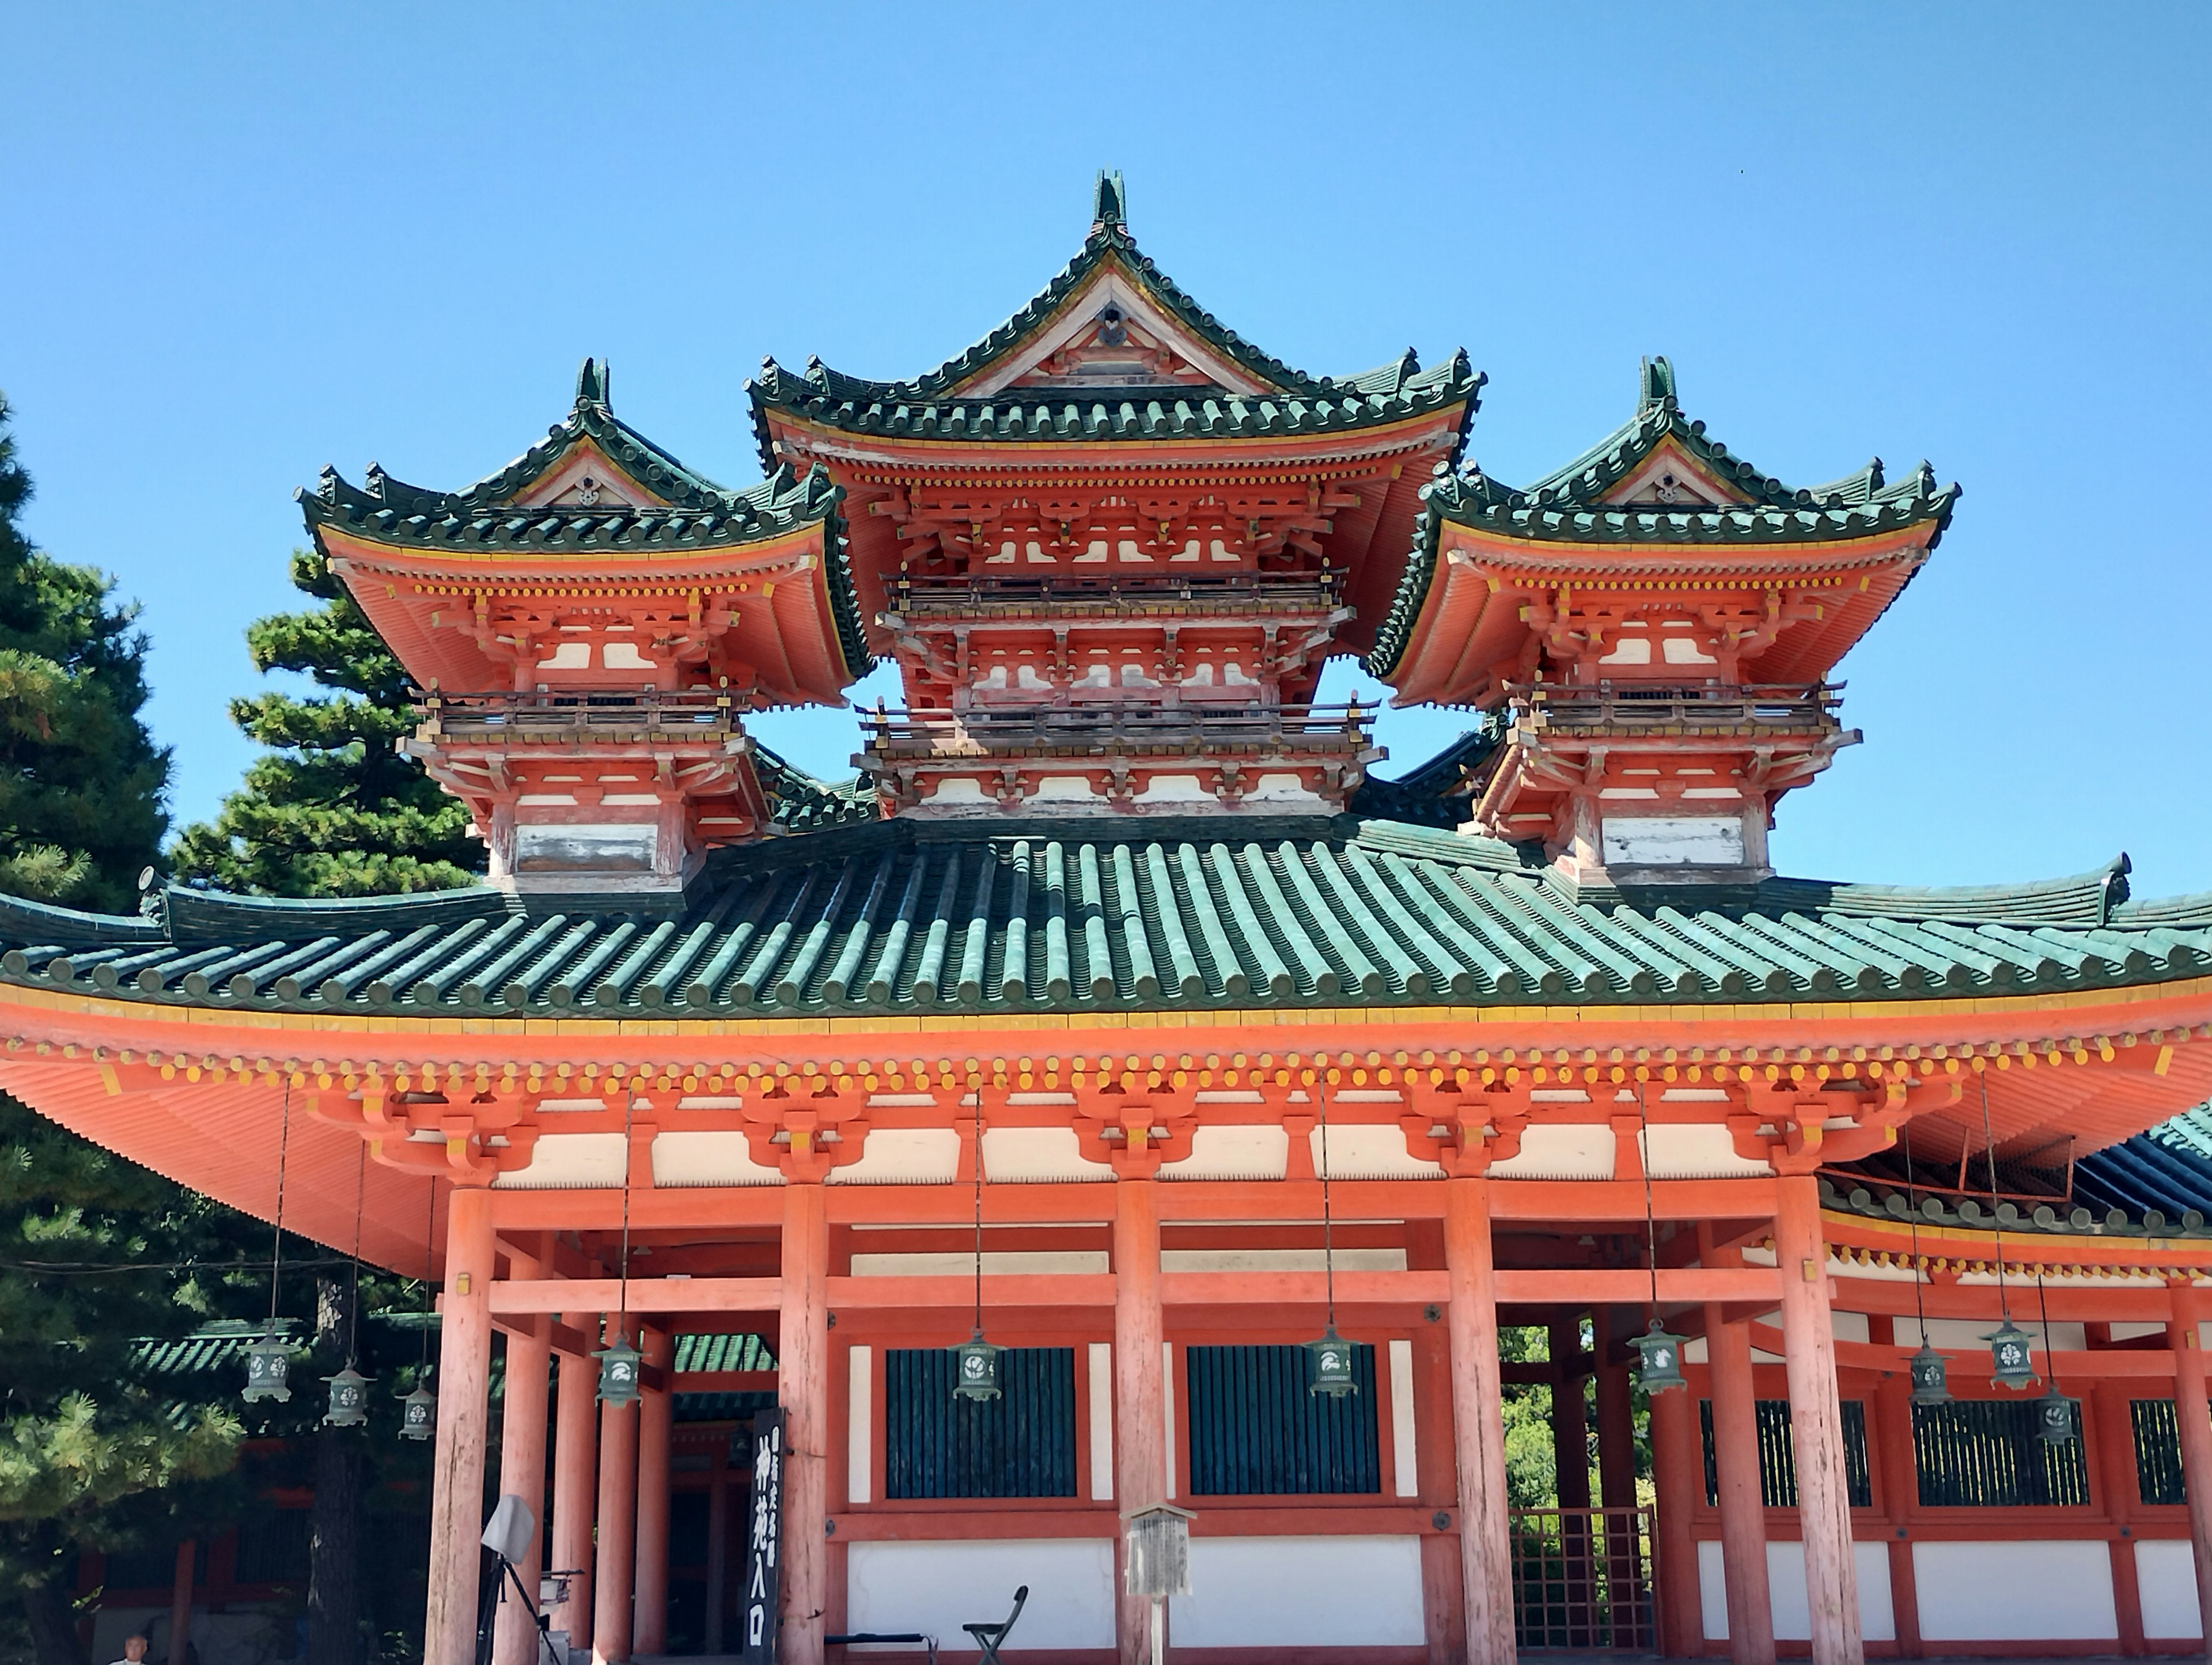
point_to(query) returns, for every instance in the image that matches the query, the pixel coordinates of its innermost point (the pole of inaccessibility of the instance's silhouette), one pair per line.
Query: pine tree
(334, 810)
(80, 779)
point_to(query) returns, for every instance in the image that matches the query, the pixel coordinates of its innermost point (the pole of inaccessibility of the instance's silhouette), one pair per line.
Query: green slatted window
(1021, 1445)
(1778, 1456)
(1985, 1454)
(1256, 1431)
(2157, 1451)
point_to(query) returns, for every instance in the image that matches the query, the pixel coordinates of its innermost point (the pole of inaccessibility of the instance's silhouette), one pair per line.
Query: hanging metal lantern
(975, 1375)
(418, 1412)
(349, 1399)
(1329, 1367)
(618, 1372)
(2057, 1418)
(1662, 1368)
(1930, 1386)
(2011, 1358)
(268, 1369)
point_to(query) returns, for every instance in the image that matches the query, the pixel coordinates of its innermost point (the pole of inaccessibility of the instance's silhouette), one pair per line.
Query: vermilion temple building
(1119, 963)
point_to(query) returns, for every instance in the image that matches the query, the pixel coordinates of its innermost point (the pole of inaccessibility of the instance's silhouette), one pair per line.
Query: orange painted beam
(2068, 1365)
(2148, 1302)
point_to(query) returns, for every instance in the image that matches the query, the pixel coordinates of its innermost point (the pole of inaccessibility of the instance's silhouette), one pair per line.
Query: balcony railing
(964, 595)
(702, 713)
(1097, 730)
(1779, 708)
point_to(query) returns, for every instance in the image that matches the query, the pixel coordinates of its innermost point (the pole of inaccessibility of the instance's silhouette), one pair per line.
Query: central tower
(1111, 545)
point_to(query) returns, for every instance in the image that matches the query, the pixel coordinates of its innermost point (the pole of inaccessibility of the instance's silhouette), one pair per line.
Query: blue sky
(237, 243)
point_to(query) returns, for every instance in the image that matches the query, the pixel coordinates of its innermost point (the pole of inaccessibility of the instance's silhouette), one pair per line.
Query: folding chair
(989, 1637)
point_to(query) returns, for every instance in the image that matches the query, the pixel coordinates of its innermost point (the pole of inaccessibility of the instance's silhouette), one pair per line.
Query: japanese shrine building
(1117, 966)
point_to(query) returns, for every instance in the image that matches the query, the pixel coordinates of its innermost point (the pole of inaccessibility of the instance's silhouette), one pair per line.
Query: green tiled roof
(801, 804)
(999, 917)
(1296, 403)
(701, 515)
(1566, 506)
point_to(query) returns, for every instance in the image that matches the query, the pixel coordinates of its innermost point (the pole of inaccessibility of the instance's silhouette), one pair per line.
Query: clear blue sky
(239, 242)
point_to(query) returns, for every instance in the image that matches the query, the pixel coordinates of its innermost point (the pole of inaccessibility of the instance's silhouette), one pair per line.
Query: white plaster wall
(2059, 1591)
(2165, 1573)
(903, 1156)
(936, 1587)
(1363, 1150)
(1034, 1156)
(1560, 1152)
(570, 1162)
(1300, 1592)
(1233, 1153)
(1786, 1596)
(708, 1158)
(1694, 1151)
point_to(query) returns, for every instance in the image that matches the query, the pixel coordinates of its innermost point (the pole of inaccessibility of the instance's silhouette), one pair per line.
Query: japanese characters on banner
(763, 1571)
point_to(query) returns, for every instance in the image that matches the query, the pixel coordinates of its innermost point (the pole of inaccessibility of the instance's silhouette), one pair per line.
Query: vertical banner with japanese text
(763, 1575)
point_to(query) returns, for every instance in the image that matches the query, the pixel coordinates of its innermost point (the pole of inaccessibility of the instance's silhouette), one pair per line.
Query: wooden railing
(685, 714)
(1758, 707)
(1082, 731)
(988, 595)
(1583, 1579)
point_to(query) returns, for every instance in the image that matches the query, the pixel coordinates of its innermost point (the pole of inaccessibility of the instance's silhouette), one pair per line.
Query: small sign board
(762, 1602)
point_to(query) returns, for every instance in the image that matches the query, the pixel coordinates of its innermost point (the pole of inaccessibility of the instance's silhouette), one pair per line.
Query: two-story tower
(587, 625)
(1111, 545)
(1657, 621)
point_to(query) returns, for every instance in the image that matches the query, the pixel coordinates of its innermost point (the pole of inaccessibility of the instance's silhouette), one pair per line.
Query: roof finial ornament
(1109, 206)
(594, 385)
(1655, 384)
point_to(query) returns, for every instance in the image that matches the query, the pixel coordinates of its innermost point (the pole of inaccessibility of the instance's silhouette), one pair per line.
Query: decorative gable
(586, 477)
(1112, 333)
(1672, 476)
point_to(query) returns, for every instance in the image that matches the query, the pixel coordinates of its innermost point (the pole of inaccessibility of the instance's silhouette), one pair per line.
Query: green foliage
(333, 810)
(80, 779)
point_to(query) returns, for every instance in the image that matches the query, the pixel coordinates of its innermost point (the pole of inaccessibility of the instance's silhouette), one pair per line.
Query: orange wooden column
(656, 1424)
(1892, 1440)
(180, 1602)
(613, 1614)
(802, 1364)
(1816, 1422)
(522, 1475)
(449, 1624)
(1743, 1505)
(575, 1480)
(1478, 1439)
(1677, 1480)
(2190, 1415)
(1141, 1434)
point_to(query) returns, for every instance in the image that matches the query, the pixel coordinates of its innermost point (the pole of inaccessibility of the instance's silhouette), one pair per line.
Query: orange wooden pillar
(656, 1422)
(1742, 1504)
(802, 1364)
(1816, 1422)
(180, 1602)
(1677, 1481)
(1479, 1428)
(1892, 1440)
(2184, 1336)
(575, 1480)
(449, 1624)
(614, 1577)
(522, 1475)
(1616, 1462)
(1141, 1434)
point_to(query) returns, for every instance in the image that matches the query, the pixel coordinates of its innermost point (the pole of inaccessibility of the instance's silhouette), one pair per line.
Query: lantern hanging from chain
(349, 1406)
(1930, 1385)
(1661, 1365)
(2011, 1356)
(2055, 1418)
(618, 1371)
(418, 1411)
(268, 1367)
(975, 1361)
(1330, 1365)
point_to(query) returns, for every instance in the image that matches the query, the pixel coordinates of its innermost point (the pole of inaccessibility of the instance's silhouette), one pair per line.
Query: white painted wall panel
(1573, 1151)
(1405, 1469)
(2059, 1591)
(2165, 1573)
(1300, 1592)
(1785, 1584)
(936, 1587)
(1101, 1421)
(860, 1423)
